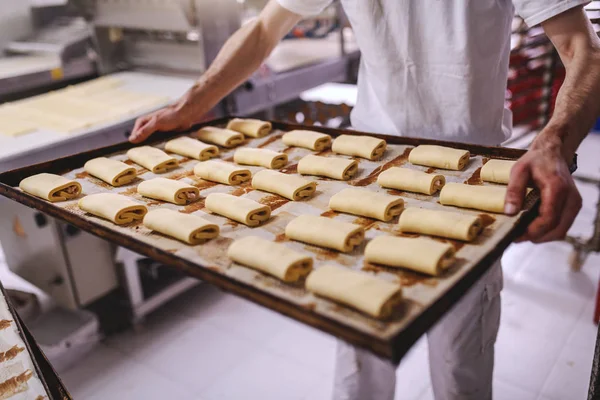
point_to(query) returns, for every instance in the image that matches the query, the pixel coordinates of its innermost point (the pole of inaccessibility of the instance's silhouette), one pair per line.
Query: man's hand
(545, 166)
(170, 118)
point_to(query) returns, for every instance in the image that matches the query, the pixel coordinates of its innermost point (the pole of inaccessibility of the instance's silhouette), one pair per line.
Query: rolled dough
(325, 232)
(113, 172)
(250, 127)
(170, 190)
(331, 167)
(221, 137)
(497, 171)
(446, 224)
(114, 207)
(152, 159)
(308, 139)
(439, 157)
(190, 147)
(240, 209)
(364, 292)
(188, 228)
(411, 180)
(272, 258)
(260, 157)
(418, 254)
(51, 187)
(486, 198)
(292, 187)
(361, 146)
(222, 172)
(367, 203)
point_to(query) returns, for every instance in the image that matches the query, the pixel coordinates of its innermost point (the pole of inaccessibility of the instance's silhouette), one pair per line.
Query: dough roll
(113, 172)
(361, 146)
(411, 180)
(272, 258)
(364, 292)
(113, 207)
(418, 254)
(497, 171)
(364, 202)
(221, 137)
(250, 127)
(446, 224)
(240, 209)
(325, 232)
(331, 167)
(260, 157)
(188, 228)
(292, 187)
(190, 147)
(308, 139)
(439, 157)
(486, 198)
(152, 159)
(170, 190)
(222, 172)
(51, 187)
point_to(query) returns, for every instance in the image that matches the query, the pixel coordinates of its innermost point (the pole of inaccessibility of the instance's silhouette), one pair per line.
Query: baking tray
(426, 298)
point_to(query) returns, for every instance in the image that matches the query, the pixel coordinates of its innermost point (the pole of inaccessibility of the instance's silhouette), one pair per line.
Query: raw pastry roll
(325, 232)
(331, 167)
(51, 187)
(446, 224)
(188, 228)
(497, 171)
(219, 136)
(361, 146)
(222, 172)
(113, 207)
(367, 203)
(113, 172)
(486, 198)
(292, 187)
(152, 159)
(250, 127)
(240, 209)
(367, 293)
(272, 258)
(439, 157)
(189, 147)
(260, 157)
(170, 190)
(418, 254)
(411, 180)
(308, 139)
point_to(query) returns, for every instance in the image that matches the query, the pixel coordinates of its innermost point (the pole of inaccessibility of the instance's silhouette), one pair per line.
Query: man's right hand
(170, 118)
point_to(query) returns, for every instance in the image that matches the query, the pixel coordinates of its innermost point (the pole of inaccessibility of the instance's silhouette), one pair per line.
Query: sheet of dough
(190, 147)
(486, 198)
(364, 292)
(152, 159)
(497, 171)
(250, 127)
(446, 224)
(423, 255)
(12, 125)
(114, 207)
(222, 172)
(51, 187)
(331, 167)
(272, 258)
(411, 180)
(170, 190)
(312, 140)
(325, 232)
(361, 146)
(260, 157)
(364, 202)
(240, 209)
(221, 137)
(292, 187)
(439, 157)
(113, 172)
(188, 228)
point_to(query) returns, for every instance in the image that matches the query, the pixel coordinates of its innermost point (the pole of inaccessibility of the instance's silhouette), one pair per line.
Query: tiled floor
(207, 345)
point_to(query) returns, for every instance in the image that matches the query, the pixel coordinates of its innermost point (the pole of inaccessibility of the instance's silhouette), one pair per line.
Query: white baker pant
(461, 352)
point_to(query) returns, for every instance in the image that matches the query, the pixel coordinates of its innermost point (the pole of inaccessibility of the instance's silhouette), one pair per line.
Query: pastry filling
(235, 141)
(209, 153)
(126, 177)
(305, 192)
(188, 195)
(279, 161)
(298, 270)
(475, 229)
(463, 161)
(167, 165)
(131, 215)
(68, 192)
(259, 216)
(240, 177)
(447, 260)
(208, 232)
(355, 239)
(394, 210)
(351, 171)
(322, 144)
(390, 305)
(378, 151)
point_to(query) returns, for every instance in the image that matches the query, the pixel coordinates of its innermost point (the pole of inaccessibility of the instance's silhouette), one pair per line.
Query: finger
(568, 214)
(139, 124)
(553, 199)
(517, 187)
(145, 131)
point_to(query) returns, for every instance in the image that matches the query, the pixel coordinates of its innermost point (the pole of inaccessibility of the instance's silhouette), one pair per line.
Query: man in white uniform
(435, 69)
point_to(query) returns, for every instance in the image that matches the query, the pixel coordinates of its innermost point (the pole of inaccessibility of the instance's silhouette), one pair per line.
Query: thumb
(144, 131)
(517, 188)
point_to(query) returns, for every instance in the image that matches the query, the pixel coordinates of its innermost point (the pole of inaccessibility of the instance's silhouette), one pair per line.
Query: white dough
(221, 137)
(51, 187)
(497, 171)
(367, 203)
(190, 147)
(113, 207)
(411, 180)
(439, 157)
(188, 228)
(292, 187)
(312, 140)
(152, 159)
(446, 224)
(170, 190)
(325, 232)
(361, 146)
(250, 127)
(486, 198)
(240, 209)
(331, 167)
(113, 172)
(222, 172)
(260, 157)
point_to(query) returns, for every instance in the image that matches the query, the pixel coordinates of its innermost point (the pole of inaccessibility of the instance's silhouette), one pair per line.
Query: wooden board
(427, 299)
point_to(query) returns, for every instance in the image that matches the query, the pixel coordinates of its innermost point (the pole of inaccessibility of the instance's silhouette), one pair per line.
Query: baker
(435, 69)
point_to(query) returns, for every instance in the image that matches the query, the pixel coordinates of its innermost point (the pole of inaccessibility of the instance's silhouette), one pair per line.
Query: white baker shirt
(435, 68)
